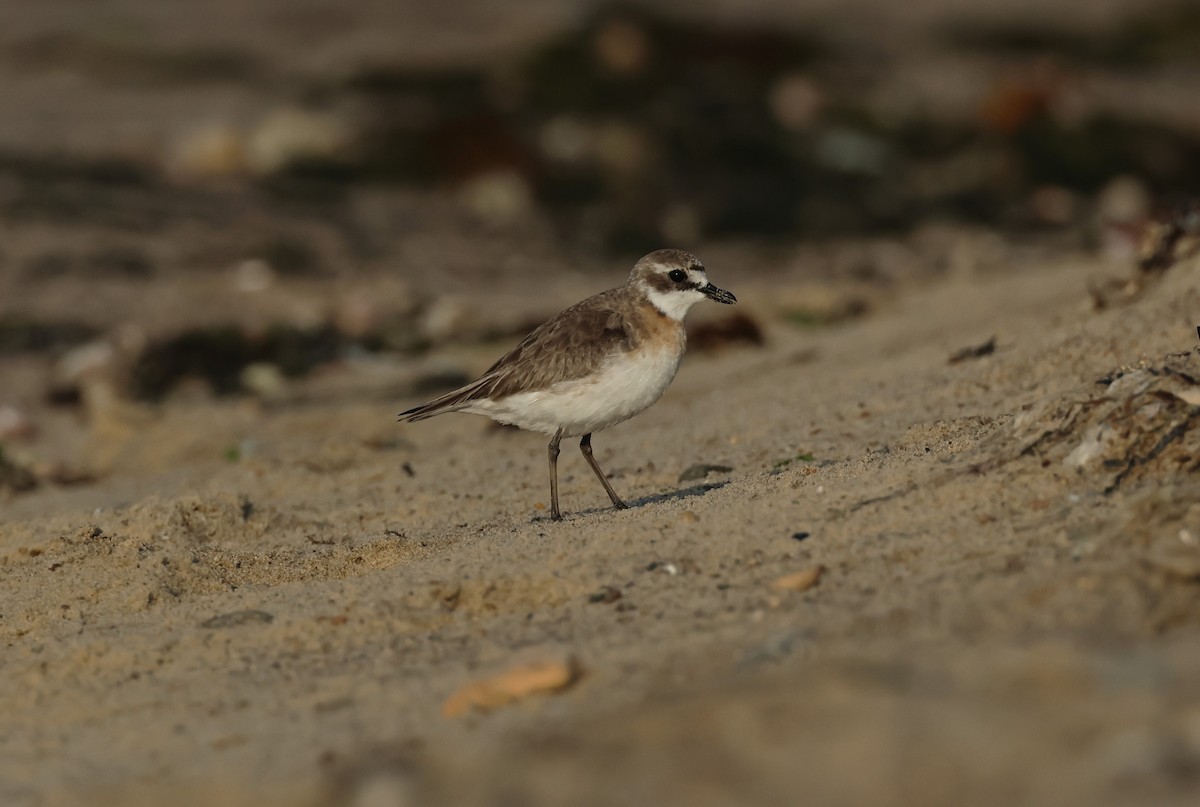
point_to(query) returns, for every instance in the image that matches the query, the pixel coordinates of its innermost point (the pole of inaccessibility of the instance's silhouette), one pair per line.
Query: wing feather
(572, 345)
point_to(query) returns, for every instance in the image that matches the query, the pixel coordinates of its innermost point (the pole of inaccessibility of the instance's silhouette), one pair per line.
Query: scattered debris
(497, 198)
(974, 352)
(383, 788)
(1164, 242)
(734, 329)
(212, 151)
(26, 336)
(798, 458)
(672, 569)
(437, 382)
(512, 685)
(292, 136)
(14, 476)
(14, 423)
(1145, 422)
(606, 595)
(447, 596)
(263, 380)
(699, 471)
(245, 507)
(793, 153)
(1178, 561)
(66, 475)
(1161, 526)
(830, 312)
(799, 581)
(253, 275)
(79, 366)
(446, 318)
(222, 357)
(236, 618)
(1171, 239)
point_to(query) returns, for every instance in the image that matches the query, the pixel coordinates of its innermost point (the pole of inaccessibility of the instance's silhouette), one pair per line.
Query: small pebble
(799, 536)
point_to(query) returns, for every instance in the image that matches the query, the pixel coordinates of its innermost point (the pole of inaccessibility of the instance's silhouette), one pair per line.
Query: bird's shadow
(634, 504)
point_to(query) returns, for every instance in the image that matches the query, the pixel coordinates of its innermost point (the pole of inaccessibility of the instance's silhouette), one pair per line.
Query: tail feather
(450, 402)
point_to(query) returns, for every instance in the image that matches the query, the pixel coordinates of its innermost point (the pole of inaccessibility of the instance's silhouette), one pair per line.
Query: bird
(594, 365)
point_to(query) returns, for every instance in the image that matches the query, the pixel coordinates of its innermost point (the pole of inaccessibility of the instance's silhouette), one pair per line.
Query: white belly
(624, 386)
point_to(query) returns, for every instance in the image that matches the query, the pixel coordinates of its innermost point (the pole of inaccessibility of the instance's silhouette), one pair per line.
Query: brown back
(571, 345)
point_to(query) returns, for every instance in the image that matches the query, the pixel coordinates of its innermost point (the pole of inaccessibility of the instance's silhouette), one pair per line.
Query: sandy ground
(991, 626)
(908, 581)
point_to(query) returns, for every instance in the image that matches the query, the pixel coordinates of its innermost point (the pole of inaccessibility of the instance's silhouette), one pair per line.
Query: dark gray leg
(585, 445)
(554, 441)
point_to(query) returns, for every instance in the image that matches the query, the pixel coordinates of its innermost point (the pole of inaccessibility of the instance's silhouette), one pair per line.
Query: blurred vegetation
(19, 335)
(221, 355)
(635, 128)
(1148, 39)
(629, 132)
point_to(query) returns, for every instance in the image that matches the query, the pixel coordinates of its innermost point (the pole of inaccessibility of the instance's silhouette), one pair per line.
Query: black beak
(719, 295)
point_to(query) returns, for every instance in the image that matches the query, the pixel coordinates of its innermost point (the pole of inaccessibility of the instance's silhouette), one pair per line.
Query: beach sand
(949, 552)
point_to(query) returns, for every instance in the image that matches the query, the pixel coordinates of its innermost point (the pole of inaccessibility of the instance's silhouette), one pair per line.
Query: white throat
(674, 304)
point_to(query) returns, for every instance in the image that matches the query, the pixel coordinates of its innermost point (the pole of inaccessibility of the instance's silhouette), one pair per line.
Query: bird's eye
(678, 275)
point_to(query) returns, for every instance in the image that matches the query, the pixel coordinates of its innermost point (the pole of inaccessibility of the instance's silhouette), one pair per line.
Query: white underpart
(674, 304)
(626, 384)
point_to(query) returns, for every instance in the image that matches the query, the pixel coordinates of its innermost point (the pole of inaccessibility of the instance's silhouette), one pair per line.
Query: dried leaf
(799, 581)
(512, 685)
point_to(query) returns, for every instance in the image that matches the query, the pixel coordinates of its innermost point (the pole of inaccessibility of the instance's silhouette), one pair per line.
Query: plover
(596, 364)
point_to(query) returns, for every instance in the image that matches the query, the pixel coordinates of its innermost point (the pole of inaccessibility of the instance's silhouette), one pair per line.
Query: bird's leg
(585, 445)
(554, 441)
